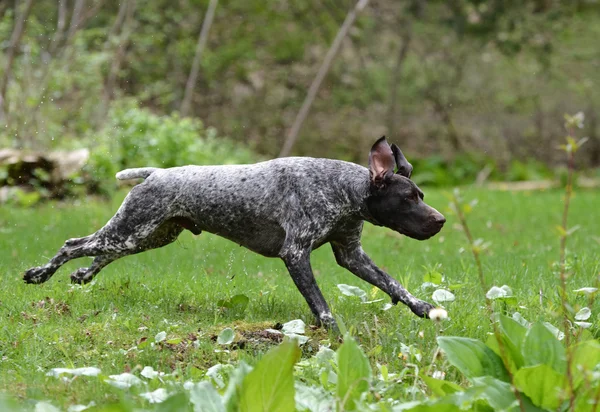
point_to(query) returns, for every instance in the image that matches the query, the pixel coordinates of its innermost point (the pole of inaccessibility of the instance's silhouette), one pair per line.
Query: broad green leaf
(177, 402)
(226, 336)
(492, 343)
(499, 394)
(442, 295)
(586, 291)
(233, 393)
(440, 387)
(270, 386)
(237, 303)
(205, 398)
(499, 292)
(586, 399)
(543, 385)
(521, 320)
(160, 336)
(583, 314)
(541, 347)
(296, 326)
(513, 330)
(354, 373)
(585, 356)
(558, 334)
(472, 357)
(513, 335)
(313, 398)
(433, 276)
(436, 406)
(44, 406)
(350, 290)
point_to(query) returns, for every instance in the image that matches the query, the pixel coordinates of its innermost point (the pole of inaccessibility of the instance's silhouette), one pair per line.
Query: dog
(283, 208)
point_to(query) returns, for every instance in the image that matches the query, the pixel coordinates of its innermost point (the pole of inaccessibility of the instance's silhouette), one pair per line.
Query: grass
(176, 289)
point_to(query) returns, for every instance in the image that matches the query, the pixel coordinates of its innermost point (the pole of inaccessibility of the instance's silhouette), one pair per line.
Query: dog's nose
(440, 219)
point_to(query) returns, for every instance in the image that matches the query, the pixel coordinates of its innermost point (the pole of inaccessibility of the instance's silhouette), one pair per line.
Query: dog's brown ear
(381, 162)
(404, 168)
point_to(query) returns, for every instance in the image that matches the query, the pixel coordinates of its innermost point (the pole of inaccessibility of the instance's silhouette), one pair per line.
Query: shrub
(135, 137)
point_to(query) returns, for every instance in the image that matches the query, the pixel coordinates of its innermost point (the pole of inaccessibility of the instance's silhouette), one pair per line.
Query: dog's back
(256, 205)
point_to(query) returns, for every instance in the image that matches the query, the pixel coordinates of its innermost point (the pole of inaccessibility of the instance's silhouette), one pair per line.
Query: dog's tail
(142, 172)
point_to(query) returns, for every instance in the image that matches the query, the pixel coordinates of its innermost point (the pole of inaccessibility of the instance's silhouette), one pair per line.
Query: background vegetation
(478, 79)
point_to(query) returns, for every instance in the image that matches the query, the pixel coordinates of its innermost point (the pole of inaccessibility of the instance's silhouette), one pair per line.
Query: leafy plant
(135, 137)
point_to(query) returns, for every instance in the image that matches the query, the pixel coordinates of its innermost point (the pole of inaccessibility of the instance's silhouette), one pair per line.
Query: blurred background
(471, 90)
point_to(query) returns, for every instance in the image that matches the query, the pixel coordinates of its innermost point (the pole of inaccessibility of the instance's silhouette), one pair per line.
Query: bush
(135, 137)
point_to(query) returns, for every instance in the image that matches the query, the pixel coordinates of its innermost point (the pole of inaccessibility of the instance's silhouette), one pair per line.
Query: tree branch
(15, 40)
(186, 103)
(323, 70)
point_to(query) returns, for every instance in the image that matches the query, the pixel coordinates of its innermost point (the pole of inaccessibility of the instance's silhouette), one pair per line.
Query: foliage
(135, 137)
(480, 76)
(537, 361)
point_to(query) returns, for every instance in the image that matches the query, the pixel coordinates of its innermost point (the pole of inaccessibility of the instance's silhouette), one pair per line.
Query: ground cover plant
(169, 309)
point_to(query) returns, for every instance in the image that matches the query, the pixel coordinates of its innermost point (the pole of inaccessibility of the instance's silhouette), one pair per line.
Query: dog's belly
(263, 237)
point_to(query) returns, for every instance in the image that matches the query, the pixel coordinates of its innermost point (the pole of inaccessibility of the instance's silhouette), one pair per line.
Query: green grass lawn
(176, 289)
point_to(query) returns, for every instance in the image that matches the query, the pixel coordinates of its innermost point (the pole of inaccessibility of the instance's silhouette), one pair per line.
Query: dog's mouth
(427, 231)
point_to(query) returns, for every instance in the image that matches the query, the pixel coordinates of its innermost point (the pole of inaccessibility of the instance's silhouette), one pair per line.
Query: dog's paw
(36, 275)
(422, 309)
(81, 276)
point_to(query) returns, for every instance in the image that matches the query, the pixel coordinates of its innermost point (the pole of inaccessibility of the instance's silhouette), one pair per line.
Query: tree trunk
(126, 30)
(323, 70)
(60, 26)
(15, 41)
(186, 103)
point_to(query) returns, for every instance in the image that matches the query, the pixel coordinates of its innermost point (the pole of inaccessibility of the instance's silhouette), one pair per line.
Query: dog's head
(395, 201)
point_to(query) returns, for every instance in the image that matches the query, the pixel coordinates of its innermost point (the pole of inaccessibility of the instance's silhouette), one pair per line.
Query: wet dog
(282, 208)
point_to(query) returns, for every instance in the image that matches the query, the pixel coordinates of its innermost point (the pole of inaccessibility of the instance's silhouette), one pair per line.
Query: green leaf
(270, 386)
(583, 314)
(205, 398)
(177, 402)
(436, 406)
(226, 336)
(472, 357)
(442, 295)
(584, 358)
(492, 343)
(354, 373)
(237, 303)
(586, 399)
(441, 387)
(541, 347)
(433, 276)
(513, 334)
(499, 394)
(233, 393)
(313, 398)
(350, 290)
(543, 385)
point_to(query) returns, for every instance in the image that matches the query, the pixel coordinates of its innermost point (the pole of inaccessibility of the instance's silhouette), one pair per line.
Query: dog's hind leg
(85, 275)
(164, 235)
(129, 231)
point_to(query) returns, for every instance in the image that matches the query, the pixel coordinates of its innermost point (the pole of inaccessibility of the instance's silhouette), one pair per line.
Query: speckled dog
(280, 208)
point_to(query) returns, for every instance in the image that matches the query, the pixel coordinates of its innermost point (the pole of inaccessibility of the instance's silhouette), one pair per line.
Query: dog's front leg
(298, 265)
(352, 257)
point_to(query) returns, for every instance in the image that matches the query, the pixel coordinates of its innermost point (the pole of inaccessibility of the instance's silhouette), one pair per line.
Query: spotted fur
(279, 208)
